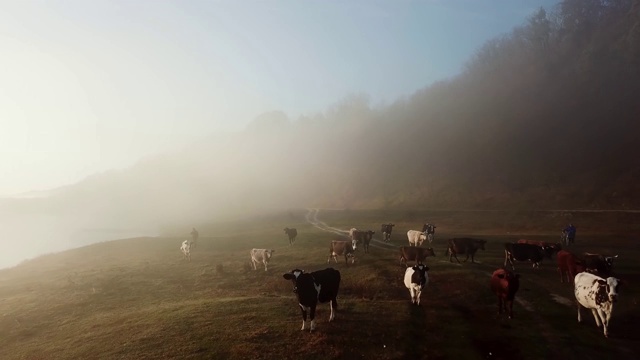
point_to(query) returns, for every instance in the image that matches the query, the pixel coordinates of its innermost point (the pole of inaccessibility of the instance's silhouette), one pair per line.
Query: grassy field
(138, 299)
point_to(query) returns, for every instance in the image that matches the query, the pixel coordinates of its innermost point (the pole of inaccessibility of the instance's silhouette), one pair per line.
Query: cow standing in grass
(292, 234)
(318, 286)
(465, 246)
(569, 265)
(597, 294)
(416, 279)
(598, 264)
(416, 238)
(505, 284)
(363, 237)
(261, 256)
(385, 230)
(186, 249)
(414, 253)
(342, 247)
(523, 252)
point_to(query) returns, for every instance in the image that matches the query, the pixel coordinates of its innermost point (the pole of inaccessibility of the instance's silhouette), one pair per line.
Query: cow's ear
(426, 268)
(272, 251)
(602, 282)
(288, 276)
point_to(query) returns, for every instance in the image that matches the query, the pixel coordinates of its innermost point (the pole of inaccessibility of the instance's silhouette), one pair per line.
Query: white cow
(416, 279)
(186, 249)
(261, 255)
(597, 294)
(416, 238)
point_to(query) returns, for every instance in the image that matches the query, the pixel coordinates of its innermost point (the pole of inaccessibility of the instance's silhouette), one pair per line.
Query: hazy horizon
(89, 87)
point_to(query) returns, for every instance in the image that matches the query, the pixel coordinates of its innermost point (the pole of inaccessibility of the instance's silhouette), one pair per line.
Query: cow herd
(594, 288)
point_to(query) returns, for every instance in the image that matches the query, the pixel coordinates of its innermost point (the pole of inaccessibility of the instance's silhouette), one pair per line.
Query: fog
(535, 119)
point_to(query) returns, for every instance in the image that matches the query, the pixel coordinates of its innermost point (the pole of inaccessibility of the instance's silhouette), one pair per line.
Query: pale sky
(87, 86)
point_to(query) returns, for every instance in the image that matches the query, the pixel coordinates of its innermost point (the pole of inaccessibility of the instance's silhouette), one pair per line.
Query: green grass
(138, 299)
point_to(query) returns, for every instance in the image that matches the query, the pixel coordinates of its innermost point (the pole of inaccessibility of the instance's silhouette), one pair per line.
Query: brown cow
(505, 284)
(413, 253)
(569, 264)
(548, 248)
(465, 246)
(341, 247)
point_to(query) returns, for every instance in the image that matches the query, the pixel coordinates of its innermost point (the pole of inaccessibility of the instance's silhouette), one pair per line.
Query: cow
(597, 294)
(386, 229)
(549, 248)
(261, 256)
(523, 252)
(416, 279)
(568, 264)
(598, 264)
(318, 286)
(186, 249)
(342, 247)
(505, 283)
(429, 230)
(416, 238)
(292, 234)
(363, 237)
(467, 246)
(413, 253)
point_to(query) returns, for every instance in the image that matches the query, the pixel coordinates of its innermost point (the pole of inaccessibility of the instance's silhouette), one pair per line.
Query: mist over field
(544, 117)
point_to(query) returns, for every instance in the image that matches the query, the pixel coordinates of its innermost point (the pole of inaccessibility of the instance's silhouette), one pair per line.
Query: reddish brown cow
(570, 265)
(505, 284)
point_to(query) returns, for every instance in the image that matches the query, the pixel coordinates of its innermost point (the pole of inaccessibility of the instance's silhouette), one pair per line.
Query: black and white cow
(342, 247)
(186, 249)
(318, 286)
(292, 234)
(597, 294)
(523, 252)
(416, 279)
(430, 231)
(261, 256)
(385, 230)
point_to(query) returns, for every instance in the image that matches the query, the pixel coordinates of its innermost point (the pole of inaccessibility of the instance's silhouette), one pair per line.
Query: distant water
(27, 237)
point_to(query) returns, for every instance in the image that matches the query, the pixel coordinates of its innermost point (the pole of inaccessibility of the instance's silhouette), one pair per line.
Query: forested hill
(546, 116)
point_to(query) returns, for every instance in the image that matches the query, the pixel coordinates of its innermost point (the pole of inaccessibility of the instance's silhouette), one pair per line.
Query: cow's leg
(473, 258)
(253, 264)
(579, 314)
(418, 293)
(510, 304)
(265, 264)
(312, 317)
(596, 316)
(334, 308)
(303, 309)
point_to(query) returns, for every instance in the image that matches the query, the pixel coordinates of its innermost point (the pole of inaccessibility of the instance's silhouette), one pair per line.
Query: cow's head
(608, 288)
(609, 260)
(480, 244)
(293, 275)
(419, 273)
(268, 253)
(430, 252)
(354, 244)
